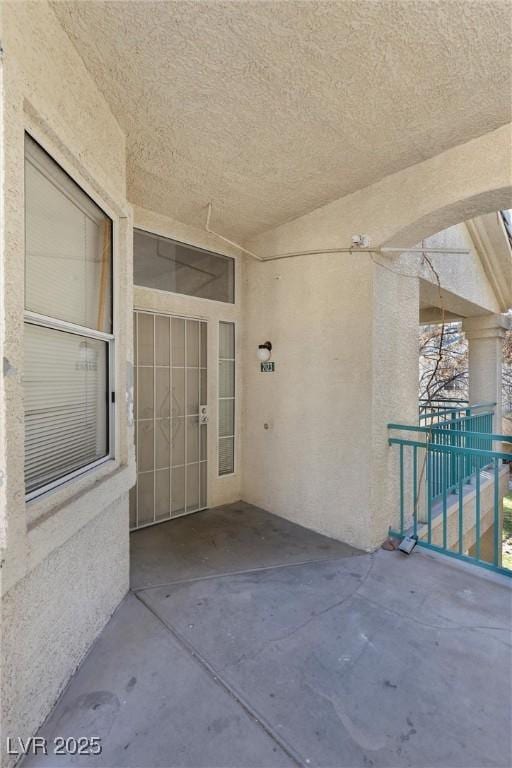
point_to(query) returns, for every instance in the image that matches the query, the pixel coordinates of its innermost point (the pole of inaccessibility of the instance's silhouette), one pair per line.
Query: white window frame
(52, 323)
(219, 399)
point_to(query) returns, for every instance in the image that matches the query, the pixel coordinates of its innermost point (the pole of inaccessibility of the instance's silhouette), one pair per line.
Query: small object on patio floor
(407, 544)
(390, 544)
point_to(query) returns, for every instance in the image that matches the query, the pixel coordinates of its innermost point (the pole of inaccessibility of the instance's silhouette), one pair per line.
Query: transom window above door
(167, 265)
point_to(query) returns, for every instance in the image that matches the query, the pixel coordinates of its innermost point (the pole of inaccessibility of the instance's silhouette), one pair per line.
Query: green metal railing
(467, 427)
(442, 410)
(441, 405)
(450, 476)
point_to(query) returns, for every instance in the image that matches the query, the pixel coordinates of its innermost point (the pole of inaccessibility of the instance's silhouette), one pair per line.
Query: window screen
(226, 398)
(171, 266)
(68, 324)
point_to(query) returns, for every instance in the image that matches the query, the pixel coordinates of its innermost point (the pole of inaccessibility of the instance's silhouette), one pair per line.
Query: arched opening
(444, 216)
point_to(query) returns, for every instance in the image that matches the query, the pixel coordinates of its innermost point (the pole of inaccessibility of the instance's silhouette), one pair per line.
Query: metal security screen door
(170, 424)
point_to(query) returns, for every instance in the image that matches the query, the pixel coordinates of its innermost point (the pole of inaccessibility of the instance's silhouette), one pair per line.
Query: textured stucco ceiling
(271, 109)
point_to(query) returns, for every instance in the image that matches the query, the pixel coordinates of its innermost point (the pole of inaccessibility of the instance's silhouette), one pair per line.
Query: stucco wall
(460, 274)
(64, 555)
(344, 329)
(227, 488)
(394, 389)
(302, 451)
(314, 431)
(49, 628)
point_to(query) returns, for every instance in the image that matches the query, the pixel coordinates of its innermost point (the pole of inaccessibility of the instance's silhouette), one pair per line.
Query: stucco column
(485, 336)
(394, 394)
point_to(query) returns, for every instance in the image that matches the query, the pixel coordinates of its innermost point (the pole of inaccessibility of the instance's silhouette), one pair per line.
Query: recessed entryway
(227, 539)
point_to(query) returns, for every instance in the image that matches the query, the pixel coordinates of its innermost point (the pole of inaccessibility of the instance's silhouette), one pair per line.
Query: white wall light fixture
(264, 351)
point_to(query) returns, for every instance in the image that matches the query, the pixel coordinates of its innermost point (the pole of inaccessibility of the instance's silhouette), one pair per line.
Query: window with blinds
(68, 325)
(226, 398)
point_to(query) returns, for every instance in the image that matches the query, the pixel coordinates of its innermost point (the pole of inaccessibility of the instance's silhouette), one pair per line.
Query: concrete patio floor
(249, 641)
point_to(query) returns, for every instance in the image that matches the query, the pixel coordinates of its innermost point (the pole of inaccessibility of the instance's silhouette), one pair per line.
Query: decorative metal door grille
(170, 443)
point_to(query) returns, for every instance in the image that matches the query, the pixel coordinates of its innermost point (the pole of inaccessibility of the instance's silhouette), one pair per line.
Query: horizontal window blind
(65, 385)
